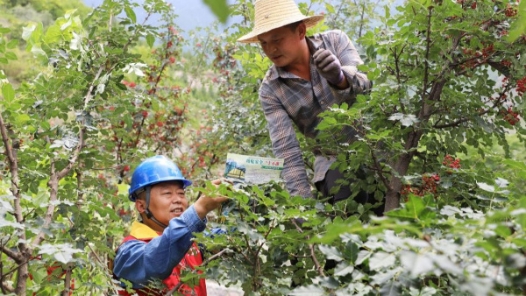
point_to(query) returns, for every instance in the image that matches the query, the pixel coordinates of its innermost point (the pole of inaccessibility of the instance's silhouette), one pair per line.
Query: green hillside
(16, 14)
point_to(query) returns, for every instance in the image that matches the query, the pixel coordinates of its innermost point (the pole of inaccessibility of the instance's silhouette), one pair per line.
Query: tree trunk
(22, 272)
(401, 166)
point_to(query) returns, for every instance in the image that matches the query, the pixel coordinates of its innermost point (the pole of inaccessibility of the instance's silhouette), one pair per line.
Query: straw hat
(273, 14)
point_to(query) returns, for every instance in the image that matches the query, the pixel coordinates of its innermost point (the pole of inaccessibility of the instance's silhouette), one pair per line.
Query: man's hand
(205, 204)
(328, 66)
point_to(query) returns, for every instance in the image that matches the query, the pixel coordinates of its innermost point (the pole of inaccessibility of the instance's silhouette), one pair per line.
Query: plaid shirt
(288, 99)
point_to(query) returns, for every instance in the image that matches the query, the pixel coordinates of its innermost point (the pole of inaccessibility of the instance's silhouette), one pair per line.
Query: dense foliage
(441, 134)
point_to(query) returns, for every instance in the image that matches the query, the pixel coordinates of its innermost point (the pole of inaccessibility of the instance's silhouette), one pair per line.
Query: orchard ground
(215, 289)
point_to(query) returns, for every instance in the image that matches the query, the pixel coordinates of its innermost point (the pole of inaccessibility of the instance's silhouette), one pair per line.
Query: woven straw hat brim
(252, 37)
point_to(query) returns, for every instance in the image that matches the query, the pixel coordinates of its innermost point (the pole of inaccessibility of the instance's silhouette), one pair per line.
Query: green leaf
(130, 14)
(343, 269)
(378, 136)
(331, 252)
(12, 44)
(53, 34)
(150, 40)
(351, 251)
(219, 8)
(390, 289)
(329, 8)
(4, 30)
(412, 208)
(61, 252)
(8, 92)
(503, 231)
(416, 264)
(519, 167)
(381, 260)
(518, 27)
(486, 187)
(22, 118)
(3, 61)
(11, 56)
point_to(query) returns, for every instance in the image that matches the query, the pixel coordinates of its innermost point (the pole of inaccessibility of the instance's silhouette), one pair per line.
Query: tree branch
(67, 282)
(398, 74)
(24, 252)
(500, 68)
(10, 152)
(213, 257)
(426, 62)
(66, 170)
(379, 169)
(174, 289)
(16, 256)
(311, 247)
(53, 185)
(6, 289)
(315, 260)
(88, 96)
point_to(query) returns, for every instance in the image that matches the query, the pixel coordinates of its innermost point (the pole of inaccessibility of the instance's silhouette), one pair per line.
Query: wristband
(340, 79)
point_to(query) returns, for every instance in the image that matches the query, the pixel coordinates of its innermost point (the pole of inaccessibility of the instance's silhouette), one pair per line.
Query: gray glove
(328, 66)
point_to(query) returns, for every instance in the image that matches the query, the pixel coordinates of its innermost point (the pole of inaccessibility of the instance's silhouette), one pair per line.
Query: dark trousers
(344, 192)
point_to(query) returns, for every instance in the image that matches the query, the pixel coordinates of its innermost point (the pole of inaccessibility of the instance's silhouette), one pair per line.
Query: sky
(195, 14)
(191, 13)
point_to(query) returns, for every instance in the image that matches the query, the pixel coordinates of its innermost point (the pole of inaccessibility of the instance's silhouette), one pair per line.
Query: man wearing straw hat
(309, 75)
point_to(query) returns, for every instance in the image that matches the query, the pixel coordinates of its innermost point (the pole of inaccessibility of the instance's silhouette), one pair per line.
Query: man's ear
(302, 30)
(140, 205)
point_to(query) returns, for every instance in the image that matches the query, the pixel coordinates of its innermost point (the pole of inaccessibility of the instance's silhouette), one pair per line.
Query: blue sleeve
(140, 262)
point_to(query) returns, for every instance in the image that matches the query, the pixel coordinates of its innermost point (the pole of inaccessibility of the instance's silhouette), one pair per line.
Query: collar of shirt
(142, 231)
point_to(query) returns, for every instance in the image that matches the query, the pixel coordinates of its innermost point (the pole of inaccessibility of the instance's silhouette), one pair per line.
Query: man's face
(167, 201)
(282, 45)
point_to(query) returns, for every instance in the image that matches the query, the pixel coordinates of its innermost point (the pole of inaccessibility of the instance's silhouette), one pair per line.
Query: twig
(67, 282)
(315, 260)
(245, 237)
(398, 74)
(426, 62)
(90, 89)
(172, 291)
(298, 228)
(337, 14)
(96, 256)
(379, 169)
(311, 247)
(213, 257)
(362, 16)
(53, 186)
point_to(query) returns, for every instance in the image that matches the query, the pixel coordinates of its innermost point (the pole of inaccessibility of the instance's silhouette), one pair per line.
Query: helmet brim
(186, 183)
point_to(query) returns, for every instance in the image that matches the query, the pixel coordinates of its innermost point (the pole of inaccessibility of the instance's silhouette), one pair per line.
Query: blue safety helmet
(155, 170)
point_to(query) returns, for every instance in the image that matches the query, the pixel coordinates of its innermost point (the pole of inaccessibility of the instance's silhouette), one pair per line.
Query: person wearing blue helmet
(160, 246)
